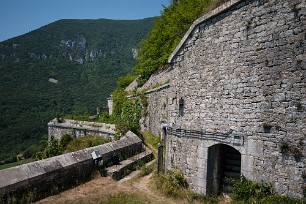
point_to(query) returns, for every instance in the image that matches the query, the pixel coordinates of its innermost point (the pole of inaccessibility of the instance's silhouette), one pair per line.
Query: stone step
(125, 167)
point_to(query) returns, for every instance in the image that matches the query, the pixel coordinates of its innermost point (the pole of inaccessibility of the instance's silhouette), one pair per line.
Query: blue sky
(21, 16)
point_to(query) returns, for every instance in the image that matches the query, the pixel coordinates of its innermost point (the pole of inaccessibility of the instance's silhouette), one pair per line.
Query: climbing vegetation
(167, 32)
(124, 81)
(127, 111)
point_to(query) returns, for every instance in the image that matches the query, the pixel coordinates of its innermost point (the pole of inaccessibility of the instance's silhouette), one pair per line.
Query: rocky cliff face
(75, 49)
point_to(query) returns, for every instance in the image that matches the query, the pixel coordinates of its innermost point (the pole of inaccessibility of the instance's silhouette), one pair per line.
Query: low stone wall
(80, 128)
(158, 78)
(157, 110)
(50, 176)
(157, 98)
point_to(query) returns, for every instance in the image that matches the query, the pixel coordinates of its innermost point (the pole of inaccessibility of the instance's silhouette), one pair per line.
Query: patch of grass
(17, 163)
(85, 142)
(175, 186)
(151, 139)
(146, 170)
(172, 184)
(200, 198)
(279, 199)
(124, 198)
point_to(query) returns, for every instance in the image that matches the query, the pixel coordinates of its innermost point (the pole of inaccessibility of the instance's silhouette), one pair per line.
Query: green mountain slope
(68, 67)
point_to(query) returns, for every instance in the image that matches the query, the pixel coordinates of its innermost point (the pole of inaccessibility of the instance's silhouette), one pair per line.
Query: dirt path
(103, 187)
(144, 185)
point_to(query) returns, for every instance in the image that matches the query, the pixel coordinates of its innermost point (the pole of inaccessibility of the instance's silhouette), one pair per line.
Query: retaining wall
(52, 175)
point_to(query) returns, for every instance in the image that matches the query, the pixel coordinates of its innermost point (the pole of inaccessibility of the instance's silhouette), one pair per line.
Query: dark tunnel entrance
(224, 162)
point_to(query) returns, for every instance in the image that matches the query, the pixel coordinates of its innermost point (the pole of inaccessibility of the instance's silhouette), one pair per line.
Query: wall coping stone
(84, 125)
(21, 174)
(158, 88)
(224, 7)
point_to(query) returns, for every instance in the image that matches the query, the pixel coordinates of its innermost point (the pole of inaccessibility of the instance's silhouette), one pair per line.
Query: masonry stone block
(63, 170)
(238, 67)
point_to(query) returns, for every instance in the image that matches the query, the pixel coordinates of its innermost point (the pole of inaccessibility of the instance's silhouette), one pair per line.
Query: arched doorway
(223, 162)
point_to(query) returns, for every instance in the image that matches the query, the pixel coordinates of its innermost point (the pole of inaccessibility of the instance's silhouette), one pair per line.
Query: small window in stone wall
(181, 107)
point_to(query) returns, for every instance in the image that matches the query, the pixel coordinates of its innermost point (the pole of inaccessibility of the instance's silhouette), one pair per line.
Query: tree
(167, 32)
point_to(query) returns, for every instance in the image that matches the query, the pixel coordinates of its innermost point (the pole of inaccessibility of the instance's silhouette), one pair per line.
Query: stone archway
(223, 162)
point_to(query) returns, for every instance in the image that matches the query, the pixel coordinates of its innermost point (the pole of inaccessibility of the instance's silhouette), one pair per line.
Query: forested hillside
(68, 67)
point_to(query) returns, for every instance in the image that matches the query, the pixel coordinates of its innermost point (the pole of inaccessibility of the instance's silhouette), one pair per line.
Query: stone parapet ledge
(224, 7)
(84, 125)
(63, 171)
(158, 88)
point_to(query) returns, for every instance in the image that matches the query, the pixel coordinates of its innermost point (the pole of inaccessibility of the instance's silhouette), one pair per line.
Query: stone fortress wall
(49, 176)
(238, 82)
(80, 128)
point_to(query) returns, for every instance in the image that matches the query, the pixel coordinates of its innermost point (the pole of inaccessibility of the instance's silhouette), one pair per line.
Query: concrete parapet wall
(80, 128)
(52, 175)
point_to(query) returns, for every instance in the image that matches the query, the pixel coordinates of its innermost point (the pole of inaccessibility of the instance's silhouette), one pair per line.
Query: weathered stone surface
(62, 171)
(239, 68)
(121, 170)
(79, 129)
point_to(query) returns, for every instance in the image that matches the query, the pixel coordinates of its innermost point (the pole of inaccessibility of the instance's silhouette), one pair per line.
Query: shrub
(124, 81)
(117, 136)
(244, 189)
(167, 32)
(65, 140)
(106, 118)
(173, 183)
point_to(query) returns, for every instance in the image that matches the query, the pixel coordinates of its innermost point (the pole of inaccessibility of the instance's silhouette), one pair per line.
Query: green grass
(271, 199)
(150, 139)
(17, 163)
(85, 142)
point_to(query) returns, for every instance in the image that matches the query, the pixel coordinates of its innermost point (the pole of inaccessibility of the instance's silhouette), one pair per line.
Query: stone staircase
(125, 167)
